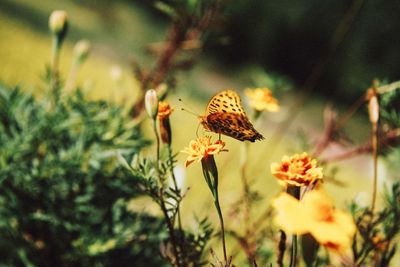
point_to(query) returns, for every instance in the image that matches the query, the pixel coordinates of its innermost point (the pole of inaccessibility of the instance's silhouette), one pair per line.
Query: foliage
(63, 195)
(375, 243)
(390, 108)
(184, 248)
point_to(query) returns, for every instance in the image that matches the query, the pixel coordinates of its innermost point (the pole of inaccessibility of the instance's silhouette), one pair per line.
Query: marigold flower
(261, 99)
(164, 110)
(316, 215)
(297, 170)
(202, 148)
(379, 242)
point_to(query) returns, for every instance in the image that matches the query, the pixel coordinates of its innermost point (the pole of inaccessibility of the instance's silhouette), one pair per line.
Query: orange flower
(297, 170)
(164, 110)
(261, 99)
(316, 215)
(202, 148)
(379, 242)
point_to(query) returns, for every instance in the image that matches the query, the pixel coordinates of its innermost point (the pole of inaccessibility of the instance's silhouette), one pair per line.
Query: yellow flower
(164, 110)
(297, 170)
(202, 148)
(316, 215)
(261, 99)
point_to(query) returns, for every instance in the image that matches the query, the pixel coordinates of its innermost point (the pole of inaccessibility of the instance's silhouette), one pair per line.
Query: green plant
(63, 194)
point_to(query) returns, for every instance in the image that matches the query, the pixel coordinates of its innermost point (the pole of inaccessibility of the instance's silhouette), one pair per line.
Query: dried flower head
(315, 214)
(202, 148)
(297, 170)
(261, 99)
(164, 110)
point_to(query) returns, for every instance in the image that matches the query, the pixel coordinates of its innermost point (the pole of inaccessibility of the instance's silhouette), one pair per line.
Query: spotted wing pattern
(225, 115)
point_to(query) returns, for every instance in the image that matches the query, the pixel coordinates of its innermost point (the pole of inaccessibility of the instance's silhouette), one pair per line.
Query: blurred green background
(341, 46)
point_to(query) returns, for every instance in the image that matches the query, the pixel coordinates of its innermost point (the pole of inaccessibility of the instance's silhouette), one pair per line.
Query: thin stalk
(374, 143)
(171, 161)
(162, 201)
(55, 54)
(293, 253)
(157, 148)
(281, 248)
(171, 230)
(210, 173)
(171, 168)
(221, 222)
(72, 77)
(295, 192)
(246, 189)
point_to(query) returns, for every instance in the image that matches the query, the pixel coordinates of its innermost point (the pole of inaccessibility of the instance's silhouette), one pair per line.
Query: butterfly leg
(197, 130)
(219, 136)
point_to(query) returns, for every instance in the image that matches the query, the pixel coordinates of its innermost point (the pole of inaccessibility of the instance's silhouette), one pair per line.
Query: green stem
(210, 169)
(171, 161)
(162, 202)
(72, 77)
(282, 248)
(293, 254)
(157, 149)
(374, 143)
(246, 189)
(170, 229)
(295, 192)
(171, 168)
(55, 54)
(221, 222)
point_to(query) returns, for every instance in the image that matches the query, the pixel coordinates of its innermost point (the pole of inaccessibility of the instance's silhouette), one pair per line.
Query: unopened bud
(58, 23)
(82, 50)
(373, 107)
(151, 103)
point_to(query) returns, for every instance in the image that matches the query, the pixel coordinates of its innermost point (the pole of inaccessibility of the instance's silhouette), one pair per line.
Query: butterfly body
(225, 115)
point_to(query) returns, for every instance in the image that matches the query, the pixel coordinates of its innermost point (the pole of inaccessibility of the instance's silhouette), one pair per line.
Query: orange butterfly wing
(225, 115)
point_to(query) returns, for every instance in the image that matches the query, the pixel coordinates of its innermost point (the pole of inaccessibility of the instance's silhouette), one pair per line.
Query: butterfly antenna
(188, 110)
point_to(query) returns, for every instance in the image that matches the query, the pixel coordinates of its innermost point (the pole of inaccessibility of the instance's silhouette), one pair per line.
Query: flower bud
(58, 23)
(373, 106)
(81, 50)
(151, 103)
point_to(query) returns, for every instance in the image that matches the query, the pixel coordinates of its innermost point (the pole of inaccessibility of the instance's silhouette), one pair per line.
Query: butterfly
(225, 115)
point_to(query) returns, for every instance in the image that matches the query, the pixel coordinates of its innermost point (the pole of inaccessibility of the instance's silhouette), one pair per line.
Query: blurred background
(327, 51)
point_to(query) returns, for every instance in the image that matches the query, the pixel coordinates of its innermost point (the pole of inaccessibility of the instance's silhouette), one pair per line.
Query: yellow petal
(290, 216)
